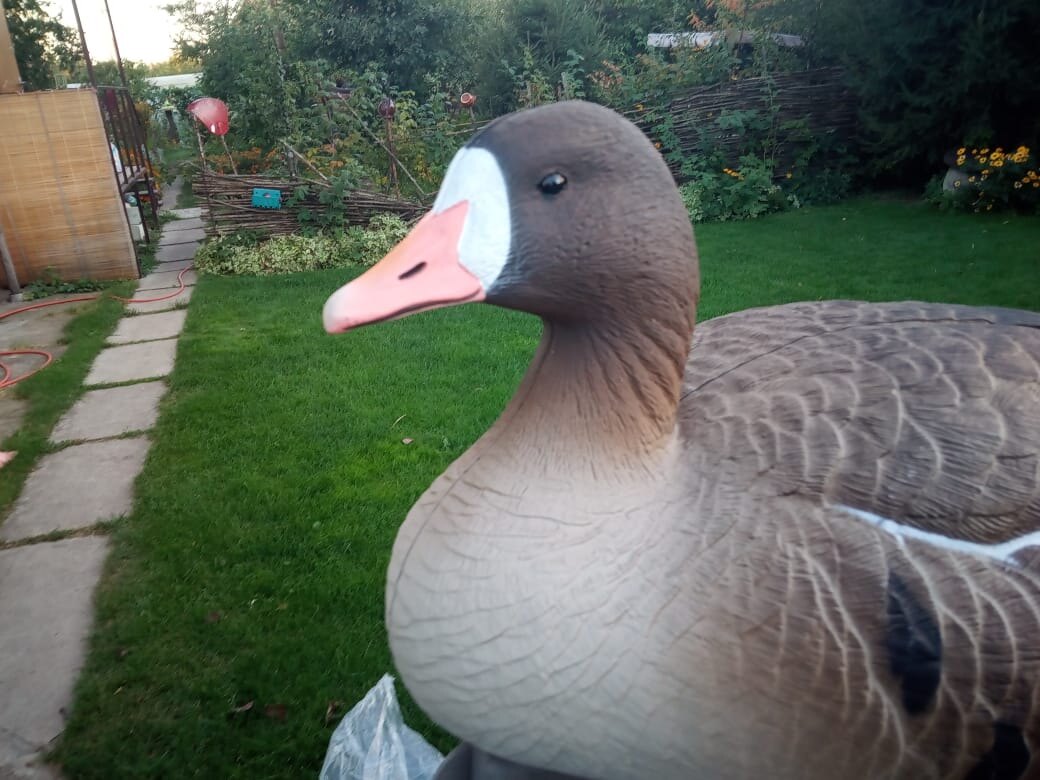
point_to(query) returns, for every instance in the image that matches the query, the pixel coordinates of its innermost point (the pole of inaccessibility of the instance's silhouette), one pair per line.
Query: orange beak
(423, 272)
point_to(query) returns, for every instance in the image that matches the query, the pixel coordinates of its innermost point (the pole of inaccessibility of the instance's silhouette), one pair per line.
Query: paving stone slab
(12, 412)
(77, 487)
(174, 252)
(181, 237)
(191, 213)
(149, 327)
(46, 606)
(113, 411)
(133, 362)
(173, 265)
(161, 280)
(154, 306)
(170, 193)
(22, 760)
(178, 225)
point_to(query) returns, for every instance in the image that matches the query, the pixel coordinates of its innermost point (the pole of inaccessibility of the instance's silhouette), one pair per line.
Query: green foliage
(988, 180)
(731, 194)
(52, 284)
(356, 246)
(332, 211)
(407, 38)
(42, 44)
(174, 66)
(106, 74)
(626, 23)
(533, 52)
(930, 76)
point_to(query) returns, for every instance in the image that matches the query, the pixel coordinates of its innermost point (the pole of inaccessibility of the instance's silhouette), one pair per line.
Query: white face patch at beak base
(474, 176)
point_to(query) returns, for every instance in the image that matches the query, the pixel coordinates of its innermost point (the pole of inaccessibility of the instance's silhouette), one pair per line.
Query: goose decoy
(805, 544)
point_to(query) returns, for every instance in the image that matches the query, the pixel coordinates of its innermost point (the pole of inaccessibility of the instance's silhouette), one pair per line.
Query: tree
(106, 74)
(42, 43)
(407, 39)
(932, 75)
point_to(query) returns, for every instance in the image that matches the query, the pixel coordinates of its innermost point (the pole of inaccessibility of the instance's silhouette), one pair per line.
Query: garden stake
(368, 130)
(231, 160)
(393, 157)
(387, 109)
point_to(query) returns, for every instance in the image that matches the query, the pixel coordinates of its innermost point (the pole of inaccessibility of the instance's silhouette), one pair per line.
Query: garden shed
(60, 203)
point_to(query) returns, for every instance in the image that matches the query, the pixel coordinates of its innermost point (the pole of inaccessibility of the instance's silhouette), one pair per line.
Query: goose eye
(552, 183)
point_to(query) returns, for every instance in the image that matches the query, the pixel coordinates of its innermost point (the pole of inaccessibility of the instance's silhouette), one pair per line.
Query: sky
(145, 31)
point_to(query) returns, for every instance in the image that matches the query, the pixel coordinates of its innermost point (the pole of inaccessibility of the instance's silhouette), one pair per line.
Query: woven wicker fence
(802, 107)
(227, 203)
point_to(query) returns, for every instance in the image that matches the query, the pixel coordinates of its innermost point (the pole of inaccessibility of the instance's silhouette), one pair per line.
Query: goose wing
(927, 415)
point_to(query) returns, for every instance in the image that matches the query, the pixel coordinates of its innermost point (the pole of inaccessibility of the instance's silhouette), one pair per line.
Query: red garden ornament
(212, 113)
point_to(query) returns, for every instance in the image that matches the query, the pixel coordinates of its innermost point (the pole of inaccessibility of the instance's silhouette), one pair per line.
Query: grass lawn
(252, 568)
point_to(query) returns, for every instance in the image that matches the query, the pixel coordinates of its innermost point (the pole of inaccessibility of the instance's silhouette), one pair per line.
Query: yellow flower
(1022, 150)
(984, 150)
(789, 175)
(961, 151)
(1018, 185)
(986, 172)
(998, 163)
(971, 178)
(960, 160)
(957, 183)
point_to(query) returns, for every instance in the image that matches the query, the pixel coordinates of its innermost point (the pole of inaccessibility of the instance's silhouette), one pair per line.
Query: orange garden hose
(6, 379)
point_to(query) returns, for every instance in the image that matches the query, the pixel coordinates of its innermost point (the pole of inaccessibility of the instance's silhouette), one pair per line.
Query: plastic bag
(373, 743)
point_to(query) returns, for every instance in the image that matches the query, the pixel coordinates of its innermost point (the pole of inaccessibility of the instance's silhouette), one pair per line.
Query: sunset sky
(145, 31)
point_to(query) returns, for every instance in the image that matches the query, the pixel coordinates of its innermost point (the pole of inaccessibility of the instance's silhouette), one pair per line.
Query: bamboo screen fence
(59, 203)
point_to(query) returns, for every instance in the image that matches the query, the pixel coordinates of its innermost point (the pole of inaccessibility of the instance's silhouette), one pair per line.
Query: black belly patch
(1008, 759)
(914, 646)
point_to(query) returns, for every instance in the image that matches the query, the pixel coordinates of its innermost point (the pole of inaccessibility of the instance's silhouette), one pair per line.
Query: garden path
(54, 542)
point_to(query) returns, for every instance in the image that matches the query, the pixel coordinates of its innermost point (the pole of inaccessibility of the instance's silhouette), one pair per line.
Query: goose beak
(423, 272)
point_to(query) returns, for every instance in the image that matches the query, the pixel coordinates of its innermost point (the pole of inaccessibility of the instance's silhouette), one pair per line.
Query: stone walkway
(47, 587)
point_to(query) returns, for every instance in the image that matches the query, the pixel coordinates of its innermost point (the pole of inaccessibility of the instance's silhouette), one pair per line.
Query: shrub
(242, 254)
(993, 180)
(731, 194)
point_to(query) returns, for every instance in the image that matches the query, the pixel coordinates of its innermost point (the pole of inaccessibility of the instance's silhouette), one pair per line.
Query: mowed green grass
(252, 568)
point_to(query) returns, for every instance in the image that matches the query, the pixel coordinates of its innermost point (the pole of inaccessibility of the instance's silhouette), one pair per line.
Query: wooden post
(231, 159)
(393, 156)
(10, 78)
(8, 261)
(83, 43)
(115, 45)
(202, 148)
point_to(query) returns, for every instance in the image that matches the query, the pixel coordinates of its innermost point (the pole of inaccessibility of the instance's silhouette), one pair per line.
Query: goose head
(566, 211)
